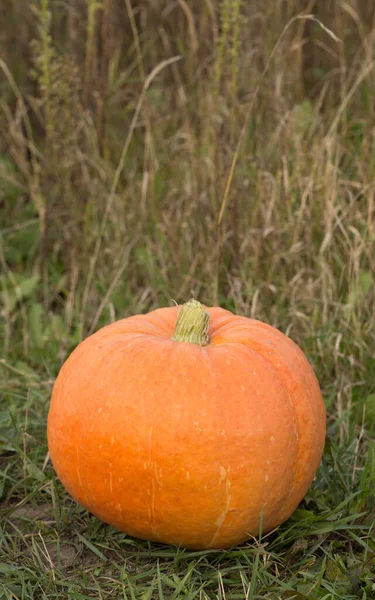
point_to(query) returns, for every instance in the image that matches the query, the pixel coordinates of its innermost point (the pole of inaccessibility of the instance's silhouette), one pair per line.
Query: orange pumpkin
(190, 434)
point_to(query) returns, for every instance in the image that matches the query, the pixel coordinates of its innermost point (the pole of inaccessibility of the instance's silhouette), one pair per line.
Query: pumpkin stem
(192, 324)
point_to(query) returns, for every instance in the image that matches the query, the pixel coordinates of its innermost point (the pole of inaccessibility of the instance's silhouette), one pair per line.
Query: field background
(152, 151)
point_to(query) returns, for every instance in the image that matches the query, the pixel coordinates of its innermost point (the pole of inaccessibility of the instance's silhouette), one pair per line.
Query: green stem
(192, 324)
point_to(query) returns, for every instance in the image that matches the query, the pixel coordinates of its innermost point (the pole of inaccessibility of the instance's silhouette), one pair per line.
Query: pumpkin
(187, 425)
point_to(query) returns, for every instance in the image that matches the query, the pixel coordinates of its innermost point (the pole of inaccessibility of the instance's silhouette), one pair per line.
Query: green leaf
(35, 324)
(57, 327)
(34, 471)
(304, 515)
(25, 370)
(26, 288)
(23, 290)
(5, 568)
(147, 595)
(336, 572)
(10, 591)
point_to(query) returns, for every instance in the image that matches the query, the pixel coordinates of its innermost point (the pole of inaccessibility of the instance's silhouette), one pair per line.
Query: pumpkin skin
(184, 444)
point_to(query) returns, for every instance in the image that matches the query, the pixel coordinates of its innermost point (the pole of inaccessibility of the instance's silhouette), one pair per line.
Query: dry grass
(122, 143)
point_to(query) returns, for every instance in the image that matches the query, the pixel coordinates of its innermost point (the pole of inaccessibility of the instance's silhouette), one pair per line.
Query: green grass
(219, 150)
